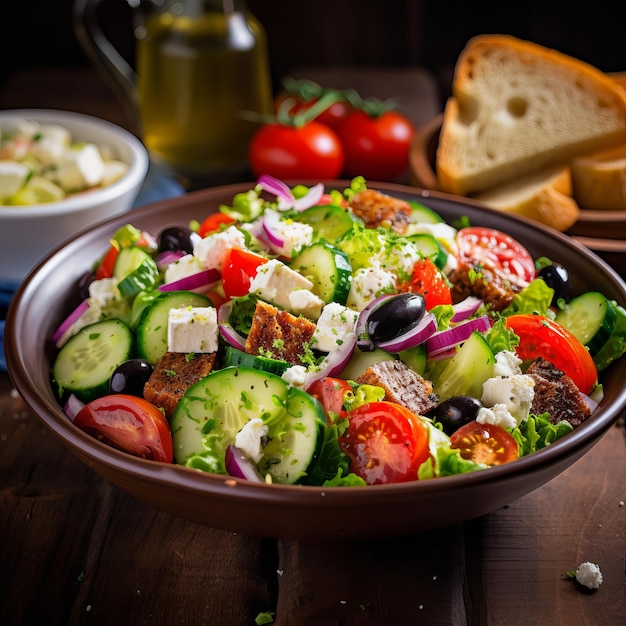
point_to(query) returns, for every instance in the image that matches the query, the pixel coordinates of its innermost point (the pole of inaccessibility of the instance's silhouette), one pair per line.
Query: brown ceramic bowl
(281, 511)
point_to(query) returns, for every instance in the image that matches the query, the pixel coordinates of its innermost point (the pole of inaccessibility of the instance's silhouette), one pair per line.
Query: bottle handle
(107, 60)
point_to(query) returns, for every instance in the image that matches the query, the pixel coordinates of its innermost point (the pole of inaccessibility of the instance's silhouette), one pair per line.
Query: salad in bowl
(330, 338)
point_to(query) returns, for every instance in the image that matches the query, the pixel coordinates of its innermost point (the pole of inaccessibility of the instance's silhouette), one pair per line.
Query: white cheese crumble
(187, 265)
(192, 329)
(295, 235)
(103, 292)
(498, 415)
(368, 283)
(333, 325)
(295, 376)
(589, 575)
(305, 302)
(212, 250)
(250, 439)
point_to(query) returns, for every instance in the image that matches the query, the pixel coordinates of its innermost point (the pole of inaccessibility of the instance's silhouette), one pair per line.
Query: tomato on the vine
(376, 146)
(239, 268)
(331, 116)
(542, 337)
(331, 393)
(429, 281)
(484, 443)
(479, 245)
(312, 150)
(128, 423)
(386, 443)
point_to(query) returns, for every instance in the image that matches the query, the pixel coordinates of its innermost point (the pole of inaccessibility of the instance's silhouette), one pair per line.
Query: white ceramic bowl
(29, 233)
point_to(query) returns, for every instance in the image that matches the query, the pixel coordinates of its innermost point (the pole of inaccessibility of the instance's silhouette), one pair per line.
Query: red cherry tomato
(128, 423)
(309, 151)
(484, 443)
(376, 147)
(331, 117)
(239, 268)
(429, 281)
(331, 393)
(105, 267)
(386, 443)
(496, 250)
(542, 337)
(213, 222)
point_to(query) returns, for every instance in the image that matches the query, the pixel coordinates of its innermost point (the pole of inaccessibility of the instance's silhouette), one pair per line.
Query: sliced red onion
(72, 318)
(72, 406)
(335, 361)
(451, 337)
(198, 282)
(231, 336)
(590, 402)
(418, 334)
(165, 258)
(273, 231)
(311, 198)
(223, 312)
(439, 355)
(239, 465)
(466, 308)
(363, 340)
(277, 187)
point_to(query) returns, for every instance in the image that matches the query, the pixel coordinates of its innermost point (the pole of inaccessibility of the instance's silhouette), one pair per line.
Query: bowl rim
(224, 487)
(137, 170)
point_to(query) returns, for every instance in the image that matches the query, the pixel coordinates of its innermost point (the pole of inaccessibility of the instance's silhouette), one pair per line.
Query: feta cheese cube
(13, 175)
(367, 284)
(103, 292)
(305, 302)
(185, 266)
(212, 250)
(80, 168)
(334, 323)
(515, 392)
(52, 143)
(251, 438)
(192, 329)
(113, 171)
(295, 235)
(274, 282)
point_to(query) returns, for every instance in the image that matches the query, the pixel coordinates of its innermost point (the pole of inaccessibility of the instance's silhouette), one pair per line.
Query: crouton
(173, 374)
(379, 209)
(402, 385)
(278, 334)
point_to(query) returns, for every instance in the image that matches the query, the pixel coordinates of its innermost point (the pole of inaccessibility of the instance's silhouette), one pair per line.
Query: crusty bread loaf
(599, 180)
(545, 196)
(517, 107)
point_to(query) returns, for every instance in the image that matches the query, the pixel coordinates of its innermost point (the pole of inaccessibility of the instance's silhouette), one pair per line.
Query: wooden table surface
(76, 550)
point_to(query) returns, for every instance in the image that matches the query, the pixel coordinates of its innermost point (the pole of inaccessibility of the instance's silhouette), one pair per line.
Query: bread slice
(517, 107)
(599, 180)
(544, 196)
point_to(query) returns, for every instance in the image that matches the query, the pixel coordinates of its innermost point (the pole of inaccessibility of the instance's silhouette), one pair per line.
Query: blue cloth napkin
(158, 185)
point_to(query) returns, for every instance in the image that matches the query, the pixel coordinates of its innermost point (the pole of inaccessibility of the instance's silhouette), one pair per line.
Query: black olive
(83, 284)
(556, 277)
(177, 239)
(395, 316)
(455, 412)
(130, 377)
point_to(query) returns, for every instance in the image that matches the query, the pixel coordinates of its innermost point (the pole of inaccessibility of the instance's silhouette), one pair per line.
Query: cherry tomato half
(542, 337)
(377, 147)
(128, 423)
(239, 268)
(105, 267)
(484, 443)
(386, 443)
(496, 250)
(429, 281)
(213, 222)
(331, 393)
(309, 151)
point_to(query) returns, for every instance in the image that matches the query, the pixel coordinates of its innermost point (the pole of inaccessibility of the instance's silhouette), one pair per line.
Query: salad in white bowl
(345, 338)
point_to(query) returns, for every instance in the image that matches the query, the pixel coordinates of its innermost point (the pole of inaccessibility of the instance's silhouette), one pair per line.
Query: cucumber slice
(421, 214)
(615, 345)
(296, 441)
(430, 247)
(152, 327)
(235, 357)
(213, 410)
(328, 222)
(135, 271)
(467, 370)
(416, 358)
(590, 318)
(328, 268)
(86, 362)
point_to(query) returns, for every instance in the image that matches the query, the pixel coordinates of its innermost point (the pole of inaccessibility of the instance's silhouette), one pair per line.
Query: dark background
(426, 33)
